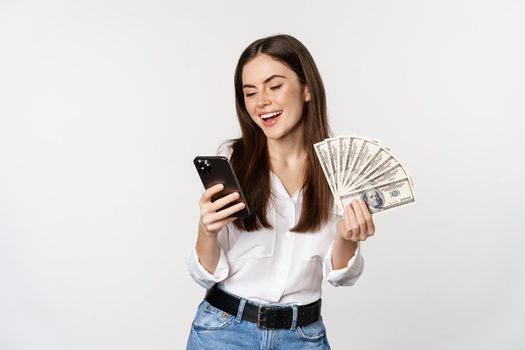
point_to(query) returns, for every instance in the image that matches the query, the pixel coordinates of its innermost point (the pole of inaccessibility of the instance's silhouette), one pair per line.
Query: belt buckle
(263, 321)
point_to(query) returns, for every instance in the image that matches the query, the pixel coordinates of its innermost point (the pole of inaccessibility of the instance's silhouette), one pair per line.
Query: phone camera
(204, 166)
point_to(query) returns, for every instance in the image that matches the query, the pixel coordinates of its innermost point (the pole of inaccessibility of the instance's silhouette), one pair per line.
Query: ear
(306, 94)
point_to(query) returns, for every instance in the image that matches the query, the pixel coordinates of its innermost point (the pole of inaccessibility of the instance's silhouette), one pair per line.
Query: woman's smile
(269, 119)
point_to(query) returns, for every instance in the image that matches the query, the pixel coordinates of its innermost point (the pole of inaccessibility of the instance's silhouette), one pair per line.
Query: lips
(270, 118)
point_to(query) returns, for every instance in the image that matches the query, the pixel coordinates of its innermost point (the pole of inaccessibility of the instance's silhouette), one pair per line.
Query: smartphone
(215, 170)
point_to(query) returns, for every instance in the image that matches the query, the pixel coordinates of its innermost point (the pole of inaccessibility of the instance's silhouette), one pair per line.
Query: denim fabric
(217, 330)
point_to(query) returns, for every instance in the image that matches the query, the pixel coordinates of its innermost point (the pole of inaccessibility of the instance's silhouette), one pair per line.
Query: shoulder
(225, 149)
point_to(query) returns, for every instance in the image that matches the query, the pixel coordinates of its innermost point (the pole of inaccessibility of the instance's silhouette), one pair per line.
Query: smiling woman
(263, 273)
(278, 74)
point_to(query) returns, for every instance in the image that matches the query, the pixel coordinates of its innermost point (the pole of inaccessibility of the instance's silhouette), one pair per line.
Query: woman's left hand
(356, 224)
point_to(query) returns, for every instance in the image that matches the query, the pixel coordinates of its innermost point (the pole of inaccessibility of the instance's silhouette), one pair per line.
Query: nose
(262, 99)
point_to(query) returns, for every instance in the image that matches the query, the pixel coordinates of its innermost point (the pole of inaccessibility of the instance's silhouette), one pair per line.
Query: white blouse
(275, 265)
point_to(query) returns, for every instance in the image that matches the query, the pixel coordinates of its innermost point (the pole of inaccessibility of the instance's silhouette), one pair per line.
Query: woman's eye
(275, 87)
(250, 94)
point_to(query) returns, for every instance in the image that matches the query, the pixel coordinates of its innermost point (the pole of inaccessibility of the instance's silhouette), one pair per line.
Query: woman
(263, 273)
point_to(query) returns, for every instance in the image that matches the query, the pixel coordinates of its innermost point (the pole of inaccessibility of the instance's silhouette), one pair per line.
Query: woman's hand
(356, 224)
(212, 220)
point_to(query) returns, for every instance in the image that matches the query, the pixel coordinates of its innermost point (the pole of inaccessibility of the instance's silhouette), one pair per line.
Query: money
(360, 167)
(385, 196)
(321, 149)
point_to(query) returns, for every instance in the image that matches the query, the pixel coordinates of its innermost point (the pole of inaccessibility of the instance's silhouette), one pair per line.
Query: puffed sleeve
(200, 274)
(345, 276)
(225, 149)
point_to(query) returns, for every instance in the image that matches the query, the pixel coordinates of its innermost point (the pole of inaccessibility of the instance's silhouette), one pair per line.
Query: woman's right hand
(213, 219)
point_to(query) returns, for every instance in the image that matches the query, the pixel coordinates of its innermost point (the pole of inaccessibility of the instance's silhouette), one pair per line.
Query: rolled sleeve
(201, 275)
(346, 276)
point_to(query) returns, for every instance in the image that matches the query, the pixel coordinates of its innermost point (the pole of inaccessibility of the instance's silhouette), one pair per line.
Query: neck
(289, 150)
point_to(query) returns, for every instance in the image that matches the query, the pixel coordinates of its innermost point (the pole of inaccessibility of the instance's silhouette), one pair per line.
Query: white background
(104, 104)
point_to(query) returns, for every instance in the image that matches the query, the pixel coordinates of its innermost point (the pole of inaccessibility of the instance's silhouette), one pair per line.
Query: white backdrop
(104, 104)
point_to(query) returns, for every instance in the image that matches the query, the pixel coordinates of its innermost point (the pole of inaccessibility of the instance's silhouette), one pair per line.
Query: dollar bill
(383, 197)
(355, 147)
(375, 162)
(395, 173)
(368, 150)
(333, 155)
(321, 149)
(344, 143)
(390, 162)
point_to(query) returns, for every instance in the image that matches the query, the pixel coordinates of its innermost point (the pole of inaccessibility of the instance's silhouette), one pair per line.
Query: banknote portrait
(374, 199)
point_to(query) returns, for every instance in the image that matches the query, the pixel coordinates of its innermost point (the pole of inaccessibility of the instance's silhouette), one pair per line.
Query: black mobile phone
(215, 170)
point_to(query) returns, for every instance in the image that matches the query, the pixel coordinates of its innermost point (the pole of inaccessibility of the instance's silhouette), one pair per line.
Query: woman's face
(274, 97)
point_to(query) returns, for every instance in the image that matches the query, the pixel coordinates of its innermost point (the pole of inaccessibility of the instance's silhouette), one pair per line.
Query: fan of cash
(359, 167)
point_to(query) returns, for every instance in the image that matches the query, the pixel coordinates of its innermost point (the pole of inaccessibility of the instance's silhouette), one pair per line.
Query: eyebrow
(265, 81)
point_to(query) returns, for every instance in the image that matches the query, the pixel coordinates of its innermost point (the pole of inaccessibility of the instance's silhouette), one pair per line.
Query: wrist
(341, 232)
(205, 233)
(346, 238)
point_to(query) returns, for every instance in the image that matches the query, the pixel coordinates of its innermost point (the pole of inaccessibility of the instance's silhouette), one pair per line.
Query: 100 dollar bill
(395, 173)
(384, 196)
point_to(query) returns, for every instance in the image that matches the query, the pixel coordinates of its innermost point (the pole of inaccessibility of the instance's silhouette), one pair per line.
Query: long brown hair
(250, 158)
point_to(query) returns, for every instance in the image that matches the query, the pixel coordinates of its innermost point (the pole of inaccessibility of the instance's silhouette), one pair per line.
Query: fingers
(351, 223)
(358, 221)
(217, 225)
(363, 230)
(206, 199)
(368, 218)
(221, 202)
(206, 203)
(212, 207)
(212, 218)
(206, 196)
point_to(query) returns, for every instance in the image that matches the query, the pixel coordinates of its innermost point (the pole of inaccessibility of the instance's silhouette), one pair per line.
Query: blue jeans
(214, 329)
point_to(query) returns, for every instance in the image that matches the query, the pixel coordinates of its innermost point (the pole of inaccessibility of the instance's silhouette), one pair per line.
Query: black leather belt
(266, 317)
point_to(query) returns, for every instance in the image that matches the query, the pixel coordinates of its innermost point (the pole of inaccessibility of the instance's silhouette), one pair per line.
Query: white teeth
(269, 115)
